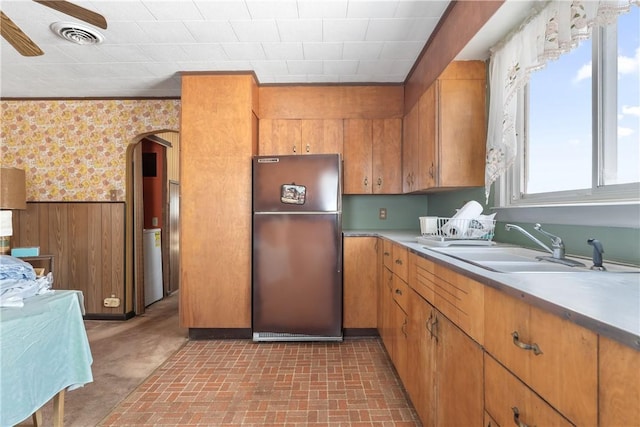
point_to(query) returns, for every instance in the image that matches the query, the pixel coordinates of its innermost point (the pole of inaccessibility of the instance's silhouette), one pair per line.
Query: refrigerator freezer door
(297, 278)
(303, 183)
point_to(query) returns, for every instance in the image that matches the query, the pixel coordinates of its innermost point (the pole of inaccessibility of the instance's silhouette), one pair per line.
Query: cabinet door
(321, 136)
(410, 150)
(357, 157)
(459, 376)
(428, 136)
(400, 339)
(421, 366)
(387, 156)
(619, 392)
(386, 306)
(278, 137)
(462, 132)
(360, 282)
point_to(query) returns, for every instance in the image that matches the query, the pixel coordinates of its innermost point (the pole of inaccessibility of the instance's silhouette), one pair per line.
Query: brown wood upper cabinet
(372, 156)
(445, 132)
(297, 136)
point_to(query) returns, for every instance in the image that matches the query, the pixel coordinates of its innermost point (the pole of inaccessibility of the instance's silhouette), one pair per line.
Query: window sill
(622, 215)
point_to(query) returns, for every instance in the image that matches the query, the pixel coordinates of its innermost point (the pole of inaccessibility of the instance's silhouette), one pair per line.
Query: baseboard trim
(219, 333)
(104, 316)
(360, 332)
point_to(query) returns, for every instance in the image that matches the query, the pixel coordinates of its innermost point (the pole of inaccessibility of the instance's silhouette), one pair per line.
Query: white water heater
(152, 247)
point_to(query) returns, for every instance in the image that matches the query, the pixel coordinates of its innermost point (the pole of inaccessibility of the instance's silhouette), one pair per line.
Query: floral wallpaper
(75, 150)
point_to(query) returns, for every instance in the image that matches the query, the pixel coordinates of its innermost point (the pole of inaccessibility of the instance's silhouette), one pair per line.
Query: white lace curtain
(555, 28)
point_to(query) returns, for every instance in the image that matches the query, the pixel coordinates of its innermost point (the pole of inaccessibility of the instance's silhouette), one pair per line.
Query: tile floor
(242, 383)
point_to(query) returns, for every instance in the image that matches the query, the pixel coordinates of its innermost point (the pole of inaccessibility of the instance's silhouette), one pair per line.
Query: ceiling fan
(25, 46)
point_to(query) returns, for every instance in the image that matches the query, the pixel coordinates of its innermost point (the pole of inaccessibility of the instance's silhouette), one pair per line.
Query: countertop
(606, 303)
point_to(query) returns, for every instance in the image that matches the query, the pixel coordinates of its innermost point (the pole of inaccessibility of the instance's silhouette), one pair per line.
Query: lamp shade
(13, 194)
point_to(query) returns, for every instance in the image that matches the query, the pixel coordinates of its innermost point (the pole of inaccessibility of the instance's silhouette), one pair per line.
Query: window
(578, 129)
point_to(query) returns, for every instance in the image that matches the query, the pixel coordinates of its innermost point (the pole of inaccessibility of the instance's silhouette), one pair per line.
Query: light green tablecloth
(43, 349)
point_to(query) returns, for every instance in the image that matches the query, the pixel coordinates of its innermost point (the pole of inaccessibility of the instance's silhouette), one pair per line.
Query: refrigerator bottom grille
(275, 336)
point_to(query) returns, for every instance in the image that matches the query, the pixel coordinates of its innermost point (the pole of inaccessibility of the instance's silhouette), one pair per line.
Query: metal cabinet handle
(294, 148)
(403, 328)
(366, 181)
(434, 326)
(308, 148)
(431, 169)
(399, 261)
(516, 417)
(379, 181)
(429, 325)
(387, 254)
(398, 291)
(534, 347)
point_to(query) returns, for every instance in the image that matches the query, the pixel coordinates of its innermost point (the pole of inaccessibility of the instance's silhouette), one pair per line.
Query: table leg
(58, 409)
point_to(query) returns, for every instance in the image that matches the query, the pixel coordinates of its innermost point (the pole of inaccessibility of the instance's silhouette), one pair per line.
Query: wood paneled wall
(87, 241)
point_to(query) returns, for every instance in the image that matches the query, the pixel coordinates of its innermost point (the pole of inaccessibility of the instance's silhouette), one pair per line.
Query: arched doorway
(166, 219)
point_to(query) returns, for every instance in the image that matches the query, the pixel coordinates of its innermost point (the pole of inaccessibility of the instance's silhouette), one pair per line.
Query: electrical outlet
(112, 302)
(382, 213)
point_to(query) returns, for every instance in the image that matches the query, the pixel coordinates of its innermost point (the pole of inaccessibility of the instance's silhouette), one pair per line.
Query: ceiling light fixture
(77, 33)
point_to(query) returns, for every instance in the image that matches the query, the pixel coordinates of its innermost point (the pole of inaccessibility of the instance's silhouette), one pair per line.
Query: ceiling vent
(77, 33)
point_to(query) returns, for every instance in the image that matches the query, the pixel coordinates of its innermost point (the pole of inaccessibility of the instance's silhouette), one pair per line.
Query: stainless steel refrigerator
(297, 248)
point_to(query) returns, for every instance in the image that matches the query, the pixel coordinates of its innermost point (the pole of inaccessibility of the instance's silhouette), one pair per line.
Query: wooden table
(44, 350)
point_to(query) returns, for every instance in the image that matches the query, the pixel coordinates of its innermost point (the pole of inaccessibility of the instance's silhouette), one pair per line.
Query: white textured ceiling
(149, 42)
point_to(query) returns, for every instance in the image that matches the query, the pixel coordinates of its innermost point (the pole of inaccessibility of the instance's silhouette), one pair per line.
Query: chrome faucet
(557, 253)
(556, 242)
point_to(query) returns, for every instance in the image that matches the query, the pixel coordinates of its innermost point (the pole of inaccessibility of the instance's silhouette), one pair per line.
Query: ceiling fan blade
(17, 38)
(76, 11)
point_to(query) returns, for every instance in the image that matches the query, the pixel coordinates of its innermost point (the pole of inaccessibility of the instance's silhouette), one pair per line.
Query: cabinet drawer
(421, 277)
(555, 357)
(401, 293)
(387, 254)
(460, 299)
(401, 261)
(509, 401)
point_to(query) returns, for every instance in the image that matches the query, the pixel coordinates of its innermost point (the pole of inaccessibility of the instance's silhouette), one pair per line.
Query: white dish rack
(458, 231)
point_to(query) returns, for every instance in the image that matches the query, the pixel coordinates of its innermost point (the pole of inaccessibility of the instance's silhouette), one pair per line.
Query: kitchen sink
(515, 259)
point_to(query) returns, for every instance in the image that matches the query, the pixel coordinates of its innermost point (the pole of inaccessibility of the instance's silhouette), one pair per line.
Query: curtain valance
(553, 28)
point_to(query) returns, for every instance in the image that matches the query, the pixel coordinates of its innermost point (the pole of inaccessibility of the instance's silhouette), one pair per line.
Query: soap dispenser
(598, 250)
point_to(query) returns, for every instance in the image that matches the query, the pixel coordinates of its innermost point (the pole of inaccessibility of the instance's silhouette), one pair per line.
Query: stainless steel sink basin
(515, 259)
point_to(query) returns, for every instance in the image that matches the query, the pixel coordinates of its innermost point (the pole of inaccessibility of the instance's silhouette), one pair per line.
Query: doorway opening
(152, 238)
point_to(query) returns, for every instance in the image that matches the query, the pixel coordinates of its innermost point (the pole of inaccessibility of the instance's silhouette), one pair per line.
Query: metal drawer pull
(366, 181)
(516, 417)
(308, 148)
(399, 261)
(525, 346)
(430, 323)
(398, 291)
(379, 182)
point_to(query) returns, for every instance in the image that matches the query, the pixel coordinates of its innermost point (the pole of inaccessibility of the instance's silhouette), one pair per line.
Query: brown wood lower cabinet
(562, 368)
(360, 282)
(446, 377)
(510, 402)
(532, 368)
(619, 387)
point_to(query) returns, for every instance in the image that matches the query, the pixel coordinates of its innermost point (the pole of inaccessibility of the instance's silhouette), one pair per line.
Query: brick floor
(242, 383)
